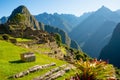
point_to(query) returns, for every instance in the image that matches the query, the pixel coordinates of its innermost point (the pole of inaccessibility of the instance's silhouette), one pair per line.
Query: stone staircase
(31, 70)
(54, 73)
(50, 75)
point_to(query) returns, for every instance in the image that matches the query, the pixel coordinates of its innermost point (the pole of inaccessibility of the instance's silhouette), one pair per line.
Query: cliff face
(111, 52)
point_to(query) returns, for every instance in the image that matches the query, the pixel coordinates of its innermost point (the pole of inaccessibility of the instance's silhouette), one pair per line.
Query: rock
(56, 75)
(35, 68)
(26, 72)
(19, 75)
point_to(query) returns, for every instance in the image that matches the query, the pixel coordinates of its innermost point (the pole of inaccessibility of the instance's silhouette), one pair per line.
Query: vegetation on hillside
(10, 63)
(58, 39)
(94, 70)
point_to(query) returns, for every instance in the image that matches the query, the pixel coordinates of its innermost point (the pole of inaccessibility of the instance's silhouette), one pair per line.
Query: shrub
(95, 70)
(5, 37)
(58, 39)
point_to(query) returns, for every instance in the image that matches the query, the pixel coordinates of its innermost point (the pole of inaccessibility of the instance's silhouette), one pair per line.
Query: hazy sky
(76, 7)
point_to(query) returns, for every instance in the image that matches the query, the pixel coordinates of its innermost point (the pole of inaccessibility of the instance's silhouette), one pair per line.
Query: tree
(58, 39)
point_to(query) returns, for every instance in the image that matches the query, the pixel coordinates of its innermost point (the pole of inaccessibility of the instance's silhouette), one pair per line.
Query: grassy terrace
(10, 62)
(21, 39)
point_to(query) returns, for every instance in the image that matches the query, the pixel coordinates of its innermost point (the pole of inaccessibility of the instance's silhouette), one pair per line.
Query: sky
(76, 7)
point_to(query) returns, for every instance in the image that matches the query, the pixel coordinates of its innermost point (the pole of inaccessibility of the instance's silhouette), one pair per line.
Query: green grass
(10, 53)
(22, 39)
(63, 50)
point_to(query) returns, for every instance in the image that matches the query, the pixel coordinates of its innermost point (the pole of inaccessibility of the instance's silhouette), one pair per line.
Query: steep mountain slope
(64, 36)
(90, 25)
(99, 39)
(118, 12)
(111, 51)
(25, 18)
(84, 16)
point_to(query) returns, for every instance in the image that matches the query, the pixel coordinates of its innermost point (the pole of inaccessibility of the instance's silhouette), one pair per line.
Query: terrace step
(54, 73)
(32, 69)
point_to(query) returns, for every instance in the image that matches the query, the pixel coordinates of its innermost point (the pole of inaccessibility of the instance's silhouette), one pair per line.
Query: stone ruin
(28, 57)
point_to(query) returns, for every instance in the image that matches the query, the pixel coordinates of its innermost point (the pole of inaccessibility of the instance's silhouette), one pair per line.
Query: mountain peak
(21, 9)
(22, 14)
(103, 11)
(103, 7)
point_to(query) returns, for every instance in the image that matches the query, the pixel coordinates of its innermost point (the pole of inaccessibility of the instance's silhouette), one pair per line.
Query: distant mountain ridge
(63, 21)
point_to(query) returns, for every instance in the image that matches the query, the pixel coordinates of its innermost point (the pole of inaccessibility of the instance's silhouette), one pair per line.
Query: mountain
(111, 51)
(23, 16)
(63, 21)
(4, 29)
(3, 20)
(99, 39)
(21, 20)
(118, 12)
(64, 36)
(87, 28)
(84, 16)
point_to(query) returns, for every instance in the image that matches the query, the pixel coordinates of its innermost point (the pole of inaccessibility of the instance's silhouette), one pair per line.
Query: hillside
(111, 51)
(64, 36)
(11, 64)
(99, 39)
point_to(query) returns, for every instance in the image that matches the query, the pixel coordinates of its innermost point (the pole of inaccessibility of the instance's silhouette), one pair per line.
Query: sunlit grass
(22, 39)
(9, 52)
(63, 50)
